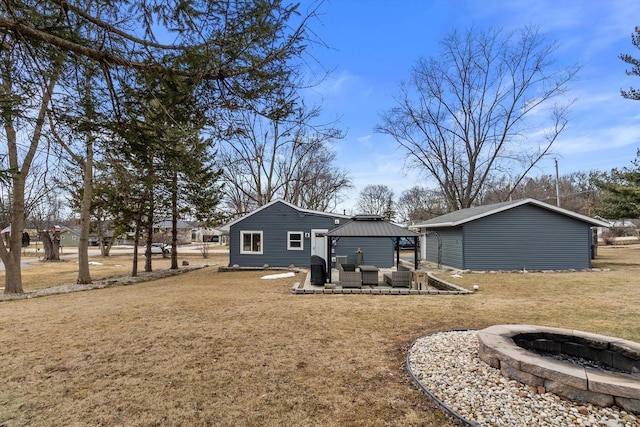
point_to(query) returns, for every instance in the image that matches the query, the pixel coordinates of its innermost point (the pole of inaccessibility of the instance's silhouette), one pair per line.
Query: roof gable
(462, 216)
(227, 226)
(68, 230)
(167, 223)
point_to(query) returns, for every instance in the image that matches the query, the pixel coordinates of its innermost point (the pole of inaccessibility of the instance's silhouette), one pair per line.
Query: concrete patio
(382, 288)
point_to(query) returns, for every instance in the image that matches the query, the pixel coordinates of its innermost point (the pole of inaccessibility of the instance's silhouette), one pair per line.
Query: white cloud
(339, 84)
(602, 138)
(365, 140)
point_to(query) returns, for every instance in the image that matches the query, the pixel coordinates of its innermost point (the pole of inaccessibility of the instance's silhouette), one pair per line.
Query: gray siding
(274, 222)
(277, 220)
(451, 247)
(527, 237)
(378, 251)
(69, 239)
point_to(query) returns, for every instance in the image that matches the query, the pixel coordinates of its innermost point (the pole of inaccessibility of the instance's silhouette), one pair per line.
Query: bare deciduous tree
(578, 190)
(316, 184)
(420, 204)
(26, 92)
(281, 154)
(376, 200)
(480, 108)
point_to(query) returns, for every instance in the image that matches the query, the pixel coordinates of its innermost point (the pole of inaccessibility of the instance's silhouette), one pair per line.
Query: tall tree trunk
(84, 275)
(148, 254)
(105, 248)
(51, 242)
(11, 258)
(174, 221)
(136, 242)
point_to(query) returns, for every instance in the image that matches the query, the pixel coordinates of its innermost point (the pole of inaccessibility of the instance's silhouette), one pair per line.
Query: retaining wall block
(555, 370)
(523, 377)
(494, 362)
(579, 395)
(622, 385)
(630, 405)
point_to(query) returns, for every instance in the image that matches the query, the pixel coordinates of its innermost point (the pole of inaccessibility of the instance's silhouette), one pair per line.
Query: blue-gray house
(522, 234)
(280, 234)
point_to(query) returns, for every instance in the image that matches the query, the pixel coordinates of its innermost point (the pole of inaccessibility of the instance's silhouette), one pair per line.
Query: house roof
(463, 216)
(64, 229)
(370, 226)
(167, 223)
(227, 226)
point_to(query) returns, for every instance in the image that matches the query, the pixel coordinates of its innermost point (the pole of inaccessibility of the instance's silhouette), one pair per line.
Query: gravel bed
(100, 284)
(447, 365)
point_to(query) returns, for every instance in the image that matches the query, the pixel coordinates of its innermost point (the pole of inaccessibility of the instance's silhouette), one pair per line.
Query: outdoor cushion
(347, 267)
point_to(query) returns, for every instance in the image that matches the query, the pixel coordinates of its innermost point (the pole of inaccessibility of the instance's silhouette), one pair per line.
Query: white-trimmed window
(295, 240)
(251, 242)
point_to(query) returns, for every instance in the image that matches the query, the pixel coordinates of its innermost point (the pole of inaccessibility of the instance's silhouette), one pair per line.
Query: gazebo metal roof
(370, 226)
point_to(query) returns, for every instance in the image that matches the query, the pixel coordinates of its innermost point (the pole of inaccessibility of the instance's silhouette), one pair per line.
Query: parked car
(405, 243)
(160, 248)
(155, 249)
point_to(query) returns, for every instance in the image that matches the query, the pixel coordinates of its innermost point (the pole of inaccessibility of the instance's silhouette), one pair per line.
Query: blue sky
(372, 45)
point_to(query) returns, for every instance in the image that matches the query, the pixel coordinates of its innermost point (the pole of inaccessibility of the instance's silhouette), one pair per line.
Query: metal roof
(462, 216)
(370, 226)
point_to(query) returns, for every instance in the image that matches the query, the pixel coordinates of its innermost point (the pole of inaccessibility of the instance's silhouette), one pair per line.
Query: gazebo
(372, 226)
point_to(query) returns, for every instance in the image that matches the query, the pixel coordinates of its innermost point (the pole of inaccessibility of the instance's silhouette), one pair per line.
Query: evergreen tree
(635, 66)
(621, 196)
(233, 52)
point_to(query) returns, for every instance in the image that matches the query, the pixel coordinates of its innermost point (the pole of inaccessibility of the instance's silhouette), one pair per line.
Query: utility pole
(557, 185)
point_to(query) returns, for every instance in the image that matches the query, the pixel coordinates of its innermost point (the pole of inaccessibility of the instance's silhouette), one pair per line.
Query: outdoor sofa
(400, 278)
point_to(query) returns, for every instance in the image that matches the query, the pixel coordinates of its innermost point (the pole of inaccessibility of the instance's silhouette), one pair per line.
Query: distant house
(620, 231)
(522, 234)
(213, 236)
(162, 232)
(69, 238)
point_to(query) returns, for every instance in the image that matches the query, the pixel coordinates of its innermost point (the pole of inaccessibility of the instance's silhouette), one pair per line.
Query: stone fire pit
(580, 366)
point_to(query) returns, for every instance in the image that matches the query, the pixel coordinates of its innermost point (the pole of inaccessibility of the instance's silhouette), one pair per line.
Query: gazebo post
(397, 253)
(415, 253)
(330, 243)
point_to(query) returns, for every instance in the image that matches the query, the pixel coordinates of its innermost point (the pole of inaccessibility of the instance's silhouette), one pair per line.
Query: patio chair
(348, 276)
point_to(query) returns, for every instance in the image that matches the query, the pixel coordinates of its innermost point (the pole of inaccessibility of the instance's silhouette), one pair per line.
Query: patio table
(369, 274)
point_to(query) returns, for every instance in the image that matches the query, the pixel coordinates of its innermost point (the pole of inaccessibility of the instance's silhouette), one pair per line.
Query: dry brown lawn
(229, 349)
